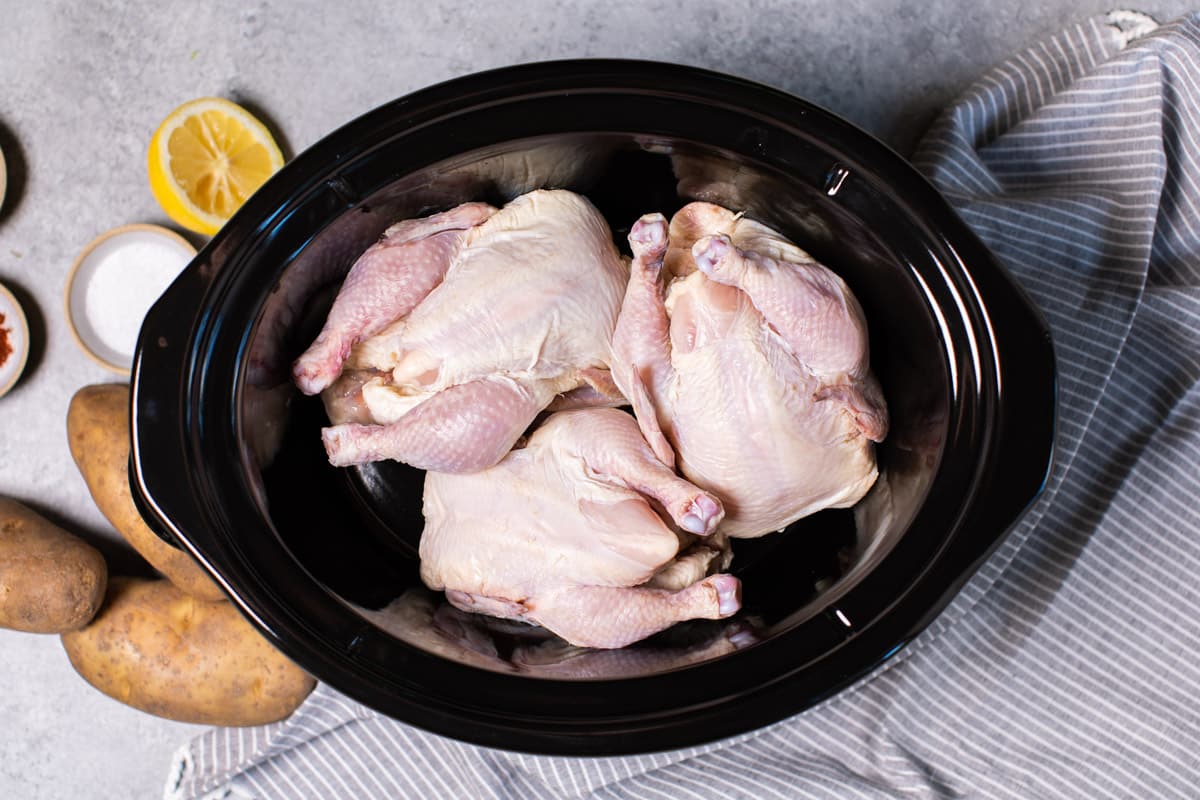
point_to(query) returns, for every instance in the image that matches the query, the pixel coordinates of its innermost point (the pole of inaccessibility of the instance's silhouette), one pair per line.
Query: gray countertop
(83, 86)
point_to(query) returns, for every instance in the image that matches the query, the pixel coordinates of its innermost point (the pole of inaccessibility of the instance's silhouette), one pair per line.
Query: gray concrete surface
(82, 87)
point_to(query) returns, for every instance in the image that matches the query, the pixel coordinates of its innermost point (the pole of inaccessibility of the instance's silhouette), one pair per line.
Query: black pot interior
(324, 559)
(360, 541)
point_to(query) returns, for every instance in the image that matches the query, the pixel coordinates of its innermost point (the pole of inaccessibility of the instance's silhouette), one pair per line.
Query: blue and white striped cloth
(1070, 664)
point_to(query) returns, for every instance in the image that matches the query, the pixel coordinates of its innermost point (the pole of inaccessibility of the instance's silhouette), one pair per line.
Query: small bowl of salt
(114, 282)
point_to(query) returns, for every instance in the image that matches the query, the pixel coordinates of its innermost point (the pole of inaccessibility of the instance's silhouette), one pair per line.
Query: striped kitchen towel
(1069, 666)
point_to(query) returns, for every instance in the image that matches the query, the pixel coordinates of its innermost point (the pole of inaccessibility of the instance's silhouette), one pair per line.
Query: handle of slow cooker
(160, 380)
(1023, 428)
(1027, 414)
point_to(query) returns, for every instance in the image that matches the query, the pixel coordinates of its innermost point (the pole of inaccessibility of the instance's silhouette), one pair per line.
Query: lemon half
(206, 158)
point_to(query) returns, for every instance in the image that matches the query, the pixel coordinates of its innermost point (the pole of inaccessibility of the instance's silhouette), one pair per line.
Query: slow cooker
(227, 462)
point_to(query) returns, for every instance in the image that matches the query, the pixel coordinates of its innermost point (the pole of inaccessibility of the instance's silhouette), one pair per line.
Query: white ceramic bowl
(114, 282)
(14, 337)
(3, 179)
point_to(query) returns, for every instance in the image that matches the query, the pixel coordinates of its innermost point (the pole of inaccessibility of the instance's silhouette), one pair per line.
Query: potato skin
(172, 655)
(50, 581)
(98, 431)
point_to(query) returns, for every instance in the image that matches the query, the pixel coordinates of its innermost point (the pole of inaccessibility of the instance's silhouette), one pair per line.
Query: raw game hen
(567, 533)
(454, 331)
(749, 361)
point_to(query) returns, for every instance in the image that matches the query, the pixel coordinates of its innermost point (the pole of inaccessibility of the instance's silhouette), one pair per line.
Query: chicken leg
(614, 616)
(641, 341)
(387, 282)
(460, 429)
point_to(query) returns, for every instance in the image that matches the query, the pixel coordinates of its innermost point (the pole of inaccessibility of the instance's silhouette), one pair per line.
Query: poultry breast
(450, 334)
(563, 533)
(748, 360)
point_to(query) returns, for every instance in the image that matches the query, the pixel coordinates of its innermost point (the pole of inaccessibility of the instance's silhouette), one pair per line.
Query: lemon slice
(206, 158)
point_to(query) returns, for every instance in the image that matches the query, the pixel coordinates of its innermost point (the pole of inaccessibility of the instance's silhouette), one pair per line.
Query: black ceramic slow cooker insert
(229, 465)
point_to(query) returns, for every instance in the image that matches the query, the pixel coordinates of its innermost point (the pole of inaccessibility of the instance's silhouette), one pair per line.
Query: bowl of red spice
(14, 340)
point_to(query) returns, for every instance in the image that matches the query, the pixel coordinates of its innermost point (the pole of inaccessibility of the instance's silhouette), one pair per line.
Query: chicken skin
(454, 331)
(748, 361)
(570, 532)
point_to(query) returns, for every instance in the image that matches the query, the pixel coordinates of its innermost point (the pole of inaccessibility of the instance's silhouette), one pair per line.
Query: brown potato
(169, 654)
(50, 580)
(98, 431)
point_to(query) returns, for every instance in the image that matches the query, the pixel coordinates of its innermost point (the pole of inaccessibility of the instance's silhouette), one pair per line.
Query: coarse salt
(126, 282)
(118, 278)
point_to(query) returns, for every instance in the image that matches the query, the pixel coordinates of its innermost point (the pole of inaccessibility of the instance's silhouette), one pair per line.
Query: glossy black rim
(190, 471)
